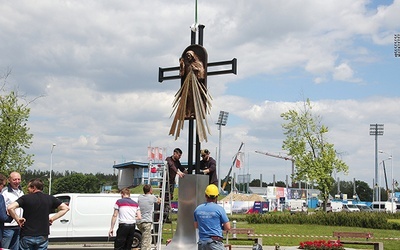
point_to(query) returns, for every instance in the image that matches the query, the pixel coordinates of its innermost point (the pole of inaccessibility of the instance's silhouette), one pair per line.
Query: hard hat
(212, 191)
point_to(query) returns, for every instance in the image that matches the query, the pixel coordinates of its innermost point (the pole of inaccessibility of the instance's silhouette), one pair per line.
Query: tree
(345, 187)
(364, 192)
(256, 183)
(14, 133)
(277, 184)
(76, 183)
(315, 159)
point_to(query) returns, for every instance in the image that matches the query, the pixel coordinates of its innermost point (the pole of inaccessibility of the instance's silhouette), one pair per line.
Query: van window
(65, 199)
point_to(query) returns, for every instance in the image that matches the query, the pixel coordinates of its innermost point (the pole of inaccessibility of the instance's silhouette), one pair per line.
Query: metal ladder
(158, 217)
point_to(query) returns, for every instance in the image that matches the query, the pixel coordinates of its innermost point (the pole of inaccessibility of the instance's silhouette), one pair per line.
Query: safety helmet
(212, 191)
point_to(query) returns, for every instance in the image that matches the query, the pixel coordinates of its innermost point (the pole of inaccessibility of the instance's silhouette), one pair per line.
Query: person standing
(210, 219)
(174, 168)
(127, 211)
(35, 223)
(3, 211)
(209, 167)
(146, 203)
(11, 229)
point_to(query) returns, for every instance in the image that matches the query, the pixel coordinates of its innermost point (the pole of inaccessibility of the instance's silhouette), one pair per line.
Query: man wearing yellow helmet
(210, 219)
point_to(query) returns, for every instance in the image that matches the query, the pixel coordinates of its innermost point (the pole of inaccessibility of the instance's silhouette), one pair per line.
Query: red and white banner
(155, 153)
(239, 160)
(159, 154)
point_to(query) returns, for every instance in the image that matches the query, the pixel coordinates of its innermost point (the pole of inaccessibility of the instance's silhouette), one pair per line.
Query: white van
(88, 219)
(297, 206)
(384, 206)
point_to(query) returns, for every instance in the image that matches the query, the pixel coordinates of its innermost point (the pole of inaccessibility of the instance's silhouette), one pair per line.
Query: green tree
(345, 187)
(363, 190)
(277, 184)
(76, 183)
(315, 159)
(256, 183)
(14, 133)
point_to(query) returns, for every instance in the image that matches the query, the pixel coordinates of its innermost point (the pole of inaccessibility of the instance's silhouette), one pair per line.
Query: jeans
(124, 239)
(210, 245)
(10, 238)
(33, 243)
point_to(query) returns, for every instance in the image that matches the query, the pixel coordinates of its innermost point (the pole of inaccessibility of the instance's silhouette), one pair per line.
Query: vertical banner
(160, 154)
(156, 152)
(239, 160)
(149, 153)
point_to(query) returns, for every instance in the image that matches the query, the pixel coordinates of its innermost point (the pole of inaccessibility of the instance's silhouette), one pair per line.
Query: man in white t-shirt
(11, 230)
(127, 212)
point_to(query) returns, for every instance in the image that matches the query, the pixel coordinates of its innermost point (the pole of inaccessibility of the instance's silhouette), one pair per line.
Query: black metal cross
(162, 77)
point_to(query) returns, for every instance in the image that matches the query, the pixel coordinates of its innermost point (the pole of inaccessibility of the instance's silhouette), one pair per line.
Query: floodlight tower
(222, 120)
(396, 45)
(376, 129)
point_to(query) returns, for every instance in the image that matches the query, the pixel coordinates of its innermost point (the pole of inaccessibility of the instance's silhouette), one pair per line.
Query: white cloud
(96, 64)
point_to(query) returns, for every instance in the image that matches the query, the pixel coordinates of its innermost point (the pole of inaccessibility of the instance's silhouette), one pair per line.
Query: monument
(192, 102)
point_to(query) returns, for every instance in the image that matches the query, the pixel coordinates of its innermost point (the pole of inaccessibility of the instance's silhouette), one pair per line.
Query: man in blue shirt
(211, 219)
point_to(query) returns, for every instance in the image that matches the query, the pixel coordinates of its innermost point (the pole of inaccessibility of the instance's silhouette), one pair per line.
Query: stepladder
(161, 211)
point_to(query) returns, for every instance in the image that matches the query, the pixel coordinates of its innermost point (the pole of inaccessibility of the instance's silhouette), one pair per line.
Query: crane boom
(286, 158)
(276, 156)
(387, 187)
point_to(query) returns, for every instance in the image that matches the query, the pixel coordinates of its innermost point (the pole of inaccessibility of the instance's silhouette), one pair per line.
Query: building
(134, 173)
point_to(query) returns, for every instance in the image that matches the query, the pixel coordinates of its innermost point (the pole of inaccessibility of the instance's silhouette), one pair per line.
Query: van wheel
(137, 239)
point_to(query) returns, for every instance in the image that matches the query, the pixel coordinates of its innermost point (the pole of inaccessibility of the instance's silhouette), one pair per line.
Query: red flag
(148, 153)
(156, 153)
(160, 154)
(239, 160)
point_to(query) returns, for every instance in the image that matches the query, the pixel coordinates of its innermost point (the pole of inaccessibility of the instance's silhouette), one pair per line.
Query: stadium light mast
(396, 45)
(376, 130)
(222, 120)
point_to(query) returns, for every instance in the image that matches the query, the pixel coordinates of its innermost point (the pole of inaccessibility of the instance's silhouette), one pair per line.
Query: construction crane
(387, 187)
(280, 157)
(225, 182)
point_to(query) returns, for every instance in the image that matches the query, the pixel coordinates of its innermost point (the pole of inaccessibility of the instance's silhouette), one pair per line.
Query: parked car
(350, 208)
(364, 208)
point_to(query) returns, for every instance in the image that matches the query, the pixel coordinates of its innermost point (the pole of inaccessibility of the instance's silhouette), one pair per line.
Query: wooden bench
(363, 235)
(246, 234)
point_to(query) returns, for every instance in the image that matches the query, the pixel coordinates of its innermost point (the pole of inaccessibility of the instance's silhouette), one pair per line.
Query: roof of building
(137, 164)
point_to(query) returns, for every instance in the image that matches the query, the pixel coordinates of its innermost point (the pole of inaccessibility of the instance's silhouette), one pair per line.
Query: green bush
(364, 220)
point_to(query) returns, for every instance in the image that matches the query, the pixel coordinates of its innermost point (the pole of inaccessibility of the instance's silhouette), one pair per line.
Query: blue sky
(95, 66)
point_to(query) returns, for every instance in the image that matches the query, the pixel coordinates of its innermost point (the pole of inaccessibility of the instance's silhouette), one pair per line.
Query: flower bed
(321, 244)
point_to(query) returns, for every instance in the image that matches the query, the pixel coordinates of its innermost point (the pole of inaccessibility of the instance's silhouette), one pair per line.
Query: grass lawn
(292, 235)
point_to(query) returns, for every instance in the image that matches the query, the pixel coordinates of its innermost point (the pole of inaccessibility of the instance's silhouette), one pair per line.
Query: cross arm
(233, 70)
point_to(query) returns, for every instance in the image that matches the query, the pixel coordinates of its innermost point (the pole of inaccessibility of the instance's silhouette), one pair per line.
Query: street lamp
(222, 120)
(376, 129)
(390, 157)
(51, 165)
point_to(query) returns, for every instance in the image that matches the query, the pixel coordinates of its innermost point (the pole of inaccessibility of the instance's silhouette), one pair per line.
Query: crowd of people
(25, 221)
(24, 218)
(209, 218)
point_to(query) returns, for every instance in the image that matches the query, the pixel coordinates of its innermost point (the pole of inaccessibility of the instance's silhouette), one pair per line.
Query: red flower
(321, 244)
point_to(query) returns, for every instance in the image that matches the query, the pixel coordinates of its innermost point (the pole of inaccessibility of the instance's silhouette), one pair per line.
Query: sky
(90, 69)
